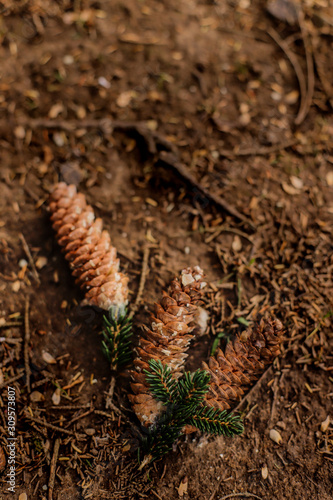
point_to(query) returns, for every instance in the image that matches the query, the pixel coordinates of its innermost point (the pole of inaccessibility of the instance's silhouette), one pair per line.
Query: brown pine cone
(88, 248)
(167, 339)
(232, 372)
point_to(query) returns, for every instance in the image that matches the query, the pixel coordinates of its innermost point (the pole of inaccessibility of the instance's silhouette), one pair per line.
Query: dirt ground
(201, 130)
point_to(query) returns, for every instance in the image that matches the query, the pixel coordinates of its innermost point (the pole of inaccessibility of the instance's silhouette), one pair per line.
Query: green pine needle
(162, 384)
(215, 421)
(117, 334)
(184, 401)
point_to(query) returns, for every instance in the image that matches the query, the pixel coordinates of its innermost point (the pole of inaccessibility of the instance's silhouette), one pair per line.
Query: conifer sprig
(161, 382)
(117, 334)
(215, 421)
(184, 401)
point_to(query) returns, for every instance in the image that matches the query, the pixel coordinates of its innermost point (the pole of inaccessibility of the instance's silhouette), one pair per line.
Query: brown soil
(218, 93)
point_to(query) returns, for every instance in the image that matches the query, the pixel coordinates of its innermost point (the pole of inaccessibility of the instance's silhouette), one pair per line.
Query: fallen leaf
(41, 262)
(296, 182)
(283, 10)
(182, 490)
(287, 188)
(325, 424)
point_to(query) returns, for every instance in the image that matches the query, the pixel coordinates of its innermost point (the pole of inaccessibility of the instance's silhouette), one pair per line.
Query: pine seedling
(184, 401)
(117, 335)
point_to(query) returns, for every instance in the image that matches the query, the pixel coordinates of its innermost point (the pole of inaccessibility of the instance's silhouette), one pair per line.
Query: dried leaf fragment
(287, 188)
(182, 489)
(48, 358)
(325, 424)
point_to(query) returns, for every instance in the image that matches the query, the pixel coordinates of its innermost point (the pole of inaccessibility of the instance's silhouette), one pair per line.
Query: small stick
(260, 151)
(31, 260)
(78, 417)
(50, 426)
(260, 381)
(245, 494)
(26, 343)
(310, 72)
(11, 324)
(71, 407)
(13, 379)
(143, 278)
(295, 64)
(10, 340)
(171, 161)
(110, 392)
(53, 468)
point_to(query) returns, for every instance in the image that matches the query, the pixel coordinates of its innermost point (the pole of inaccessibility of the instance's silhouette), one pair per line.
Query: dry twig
(295, 64)
(53, 467)
(49, 426)
(143, 278)
(171, 160)
(29, 256)
(303, 111)
(244, 494)
(26, 343)
(12, 379)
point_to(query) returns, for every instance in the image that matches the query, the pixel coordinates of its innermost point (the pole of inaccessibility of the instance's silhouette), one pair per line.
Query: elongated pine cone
(167, 339)
(233, 371)
(88, 248)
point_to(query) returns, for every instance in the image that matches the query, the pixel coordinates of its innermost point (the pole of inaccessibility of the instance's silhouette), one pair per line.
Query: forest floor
(201, 132)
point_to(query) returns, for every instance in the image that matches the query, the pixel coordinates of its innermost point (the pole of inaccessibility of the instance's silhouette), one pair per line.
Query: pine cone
(88, 248)
(167, 339)
(232, 372)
